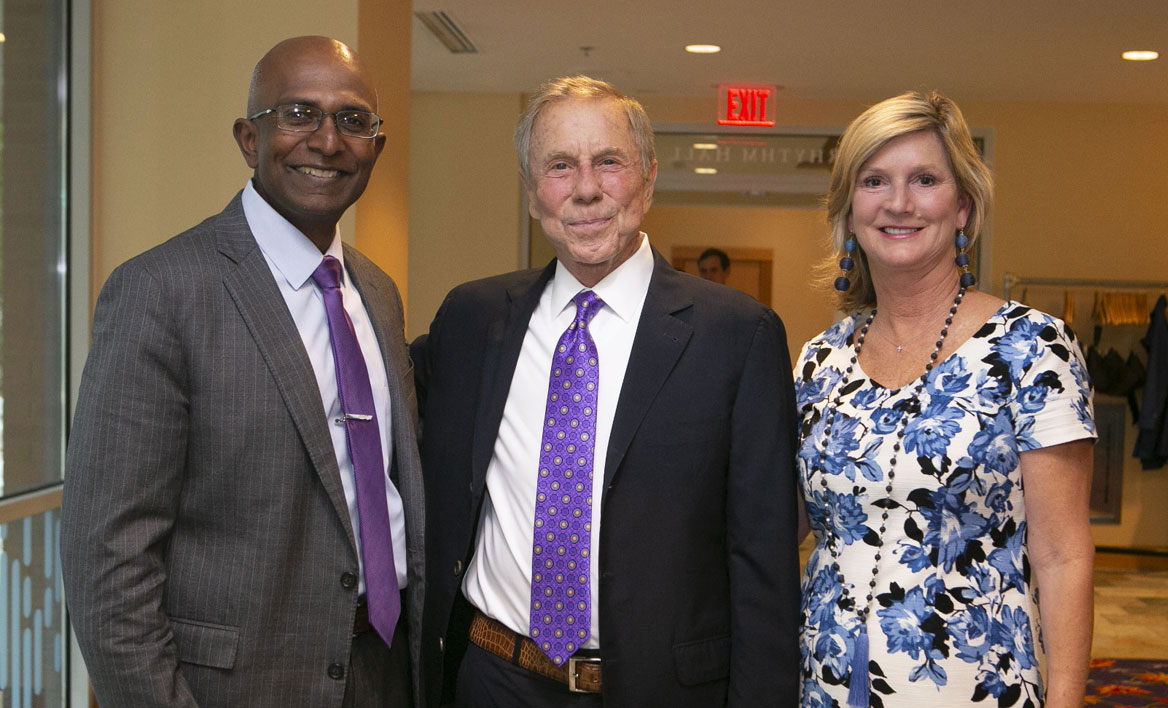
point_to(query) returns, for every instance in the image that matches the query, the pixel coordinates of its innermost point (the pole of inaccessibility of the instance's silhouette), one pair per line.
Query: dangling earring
(843, 282)
(962, 260)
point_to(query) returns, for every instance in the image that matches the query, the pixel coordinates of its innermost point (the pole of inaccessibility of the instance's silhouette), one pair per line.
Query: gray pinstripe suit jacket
(204, 531)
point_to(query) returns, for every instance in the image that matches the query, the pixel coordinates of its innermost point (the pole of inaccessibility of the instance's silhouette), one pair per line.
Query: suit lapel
(504, 342)
(262, 308)
(662, 336)
(378, 305)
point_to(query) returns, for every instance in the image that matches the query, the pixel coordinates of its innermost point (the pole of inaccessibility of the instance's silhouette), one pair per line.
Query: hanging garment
(1152, 438)
(1115, 376)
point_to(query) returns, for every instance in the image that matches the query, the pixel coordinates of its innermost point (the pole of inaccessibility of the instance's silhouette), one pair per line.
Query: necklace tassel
(858, 685)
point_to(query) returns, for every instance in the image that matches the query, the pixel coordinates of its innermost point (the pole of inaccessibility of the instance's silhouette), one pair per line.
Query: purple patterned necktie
(561, 599)
(382, 593)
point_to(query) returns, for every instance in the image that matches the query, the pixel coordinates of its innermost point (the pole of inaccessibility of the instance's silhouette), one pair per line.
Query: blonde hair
(907, 113)
(583, 87)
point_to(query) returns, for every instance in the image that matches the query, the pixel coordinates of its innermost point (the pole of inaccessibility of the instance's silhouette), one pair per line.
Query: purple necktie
(382, 593)
(561, 598)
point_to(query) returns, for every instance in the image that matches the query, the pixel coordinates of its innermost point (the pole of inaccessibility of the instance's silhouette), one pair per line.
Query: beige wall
(464, 196)
(168, 81)
(382, 215)
(1143, 521)
(1081, 193)
(1081, 189)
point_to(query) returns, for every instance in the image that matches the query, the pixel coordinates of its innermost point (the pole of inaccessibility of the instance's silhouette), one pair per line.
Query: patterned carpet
(1127, 683)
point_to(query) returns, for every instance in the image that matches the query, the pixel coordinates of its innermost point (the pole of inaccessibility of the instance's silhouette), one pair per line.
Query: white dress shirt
(498, 580)
(293, 258)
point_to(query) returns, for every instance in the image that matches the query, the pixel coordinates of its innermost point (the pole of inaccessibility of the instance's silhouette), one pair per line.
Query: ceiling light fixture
(702, 48)
(705, 146)
(706, 170)
(447, 32)
(1141, 55)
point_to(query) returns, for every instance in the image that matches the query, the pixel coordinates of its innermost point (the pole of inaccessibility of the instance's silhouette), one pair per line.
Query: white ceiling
(994, 50)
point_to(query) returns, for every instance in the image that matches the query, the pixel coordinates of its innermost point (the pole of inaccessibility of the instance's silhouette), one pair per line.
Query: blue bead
(846, 263)
(967, 280)
(850, 244)
(962, 240)
(962, 259)
(842, 284)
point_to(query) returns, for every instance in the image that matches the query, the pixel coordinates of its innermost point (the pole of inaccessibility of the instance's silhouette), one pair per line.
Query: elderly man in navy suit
(608, 451)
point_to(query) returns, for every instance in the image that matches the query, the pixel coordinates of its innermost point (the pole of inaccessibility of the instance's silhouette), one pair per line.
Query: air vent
(447, 32)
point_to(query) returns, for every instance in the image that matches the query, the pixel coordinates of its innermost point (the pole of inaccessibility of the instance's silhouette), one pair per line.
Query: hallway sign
(746, 105)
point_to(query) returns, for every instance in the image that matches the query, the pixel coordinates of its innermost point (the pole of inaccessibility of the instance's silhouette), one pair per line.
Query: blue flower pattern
(954, 615)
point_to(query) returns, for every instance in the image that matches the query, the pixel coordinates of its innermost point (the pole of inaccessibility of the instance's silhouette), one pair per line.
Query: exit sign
(746, 105)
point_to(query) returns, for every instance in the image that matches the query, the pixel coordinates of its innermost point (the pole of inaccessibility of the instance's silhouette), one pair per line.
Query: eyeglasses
(296, 118)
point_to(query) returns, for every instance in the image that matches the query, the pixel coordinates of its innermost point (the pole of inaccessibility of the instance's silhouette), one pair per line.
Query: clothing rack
(1011, 280)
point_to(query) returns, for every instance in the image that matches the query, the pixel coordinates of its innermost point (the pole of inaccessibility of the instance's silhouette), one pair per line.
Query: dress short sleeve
(1051, 398)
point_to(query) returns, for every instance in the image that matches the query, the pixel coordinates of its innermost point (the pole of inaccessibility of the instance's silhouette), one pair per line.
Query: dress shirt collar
(292, 254)
(622, 290)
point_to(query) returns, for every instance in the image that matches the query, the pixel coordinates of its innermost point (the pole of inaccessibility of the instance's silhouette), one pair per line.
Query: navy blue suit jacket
(699, 598)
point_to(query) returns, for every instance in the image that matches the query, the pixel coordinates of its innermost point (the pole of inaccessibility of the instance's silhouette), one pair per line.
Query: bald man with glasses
(243, 512)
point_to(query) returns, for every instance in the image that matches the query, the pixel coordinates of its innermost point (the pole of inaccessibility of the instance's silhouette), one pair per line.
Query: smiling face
(587, 187)
(907, 206)
(310, 178)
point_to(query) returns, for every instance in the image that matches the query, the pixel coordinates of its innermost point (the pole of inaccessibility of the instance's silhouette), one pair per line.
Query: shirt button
(457, 567)
(336, 671)
(348, 581)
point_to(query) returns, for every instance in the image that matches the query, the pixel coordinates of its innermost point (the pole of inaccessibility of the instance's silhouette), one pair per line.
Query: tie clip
(353, 416)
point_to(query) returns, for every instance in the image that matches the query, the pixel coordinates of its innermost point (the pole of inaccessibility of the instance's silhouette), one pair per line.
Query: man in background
(243, 510)
(608, 449)
(714, 265)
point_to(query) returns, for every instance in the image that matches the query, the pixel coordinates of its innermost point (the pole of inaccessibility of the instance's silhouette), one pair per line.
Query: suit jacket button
(457, 567)
(336, 671)
(441, 644)
(348, 581)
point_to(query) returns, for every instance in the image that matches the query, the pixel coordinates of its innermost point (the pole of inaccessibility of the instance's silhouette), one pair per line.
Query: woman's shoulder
(838, 336)
(1023, 320)
(1023, 342)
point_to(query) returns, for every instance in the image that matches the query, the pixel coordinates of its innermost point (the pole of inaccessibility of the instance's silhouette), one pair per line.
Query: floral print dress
(954, 613)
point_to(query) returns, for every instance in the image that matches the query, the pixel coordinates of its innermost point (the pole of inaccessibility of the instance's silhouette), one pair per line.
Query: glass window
(33, 199)
(32, 243)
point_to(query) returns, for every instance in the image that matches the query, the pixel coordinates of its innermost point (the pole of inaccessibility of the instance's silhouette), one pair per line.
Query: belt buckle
(572, 662)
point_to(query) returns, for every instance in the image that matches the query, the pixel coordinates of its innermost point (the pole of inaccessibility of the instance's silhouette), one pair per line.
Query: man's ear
(650, 185)
(532, 208)
(246, 136)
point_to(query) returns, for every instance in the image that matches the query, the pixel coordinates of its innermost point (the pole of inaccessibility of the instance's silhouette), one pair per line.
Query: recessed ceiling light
(705, 170)
(705, 146)
(1141, 55)
(702, 48)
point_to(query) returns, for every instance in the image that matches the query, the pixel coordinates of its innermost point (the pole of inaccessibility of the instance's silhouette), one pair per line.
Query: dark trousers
(379, 676)
(488, 681)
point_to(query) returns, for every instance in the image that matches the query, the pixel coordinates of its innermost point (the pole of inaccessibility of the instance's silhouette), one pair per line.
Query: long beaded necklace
(858, 696)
